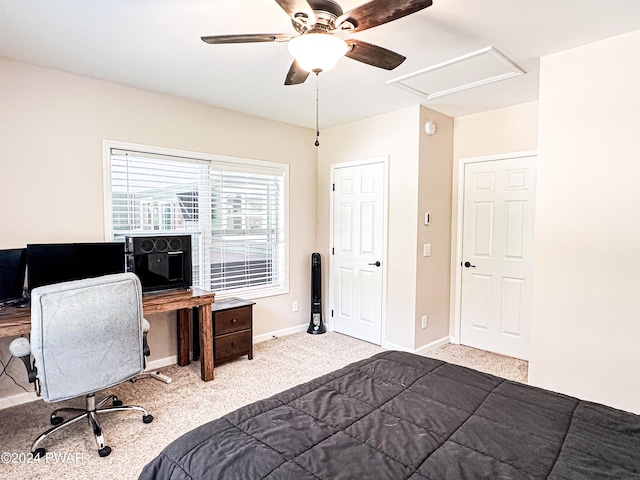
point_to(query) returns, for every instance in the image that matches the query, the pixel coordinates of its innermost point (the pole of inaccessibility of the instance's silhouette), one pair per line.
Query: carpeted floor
(187, 402)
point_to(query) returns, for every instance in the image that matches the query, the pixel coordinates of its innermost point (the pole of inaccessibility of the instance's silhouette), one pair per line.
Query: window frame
(249, 292)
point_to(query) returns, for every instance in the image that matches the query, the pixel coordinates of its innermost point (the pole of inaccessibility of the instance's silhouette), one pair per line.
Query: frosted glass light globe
(317, 51)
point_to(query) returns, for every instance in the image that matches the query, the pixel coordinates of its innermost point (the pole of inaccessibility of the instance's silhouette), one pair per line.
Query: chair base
(157, 375)
(91, 414)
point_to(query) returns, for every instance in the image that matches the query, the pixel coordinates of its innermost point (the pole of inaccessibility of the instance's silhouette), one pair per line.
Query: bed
(402, 416)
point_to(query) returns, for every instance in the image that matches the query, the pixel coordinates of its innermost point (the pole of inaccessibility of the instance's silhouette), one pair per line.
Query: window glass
(234, 211)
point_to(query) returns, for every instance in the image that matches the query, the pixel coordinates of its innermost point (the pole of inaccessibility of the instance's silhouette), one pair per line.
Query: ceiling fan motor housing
(328, 6)
(326, 12)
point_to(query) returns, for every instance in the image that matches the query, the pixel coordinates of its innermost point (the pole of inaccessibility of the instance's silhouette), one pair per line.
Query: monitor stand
(22, 302)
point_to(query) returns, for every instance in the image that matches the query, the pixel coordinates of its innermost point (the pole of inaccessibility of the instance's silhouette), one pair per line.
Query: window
(234, 210)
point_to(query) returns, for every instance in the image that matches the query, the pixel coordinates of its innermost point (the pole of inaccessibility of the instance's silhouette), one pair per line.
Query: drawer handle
(233, 320)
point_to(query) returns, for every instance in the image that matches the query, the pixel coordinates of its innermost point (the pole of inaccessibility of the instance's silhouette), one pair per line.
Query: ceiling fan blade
(247, 38)
(298, 6)
(378, 12)
(374, 55)
(296, 74)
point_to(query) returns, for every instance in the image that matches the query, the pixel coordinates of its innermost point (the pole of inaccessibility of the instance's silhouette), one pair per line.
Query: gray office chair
(86, 335)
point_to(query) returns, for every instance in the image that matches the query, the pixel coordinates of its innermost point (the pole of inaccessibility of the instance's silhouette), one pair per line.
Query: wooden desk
(17, 321)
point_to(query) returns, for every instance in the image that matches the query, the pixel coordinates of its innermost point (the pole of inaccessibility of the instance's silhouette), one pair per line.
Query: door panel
(483, 229)
(367, 225)
(512, 291)
(497, 237)
(481, 300)
(346, 227)
(345, 293)
(515, 230)
(358, 238)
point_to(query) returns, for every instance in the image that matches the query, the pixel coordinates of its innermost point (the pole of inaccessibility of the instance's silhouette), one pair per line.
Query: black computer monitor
(60, 262)
(12, 270)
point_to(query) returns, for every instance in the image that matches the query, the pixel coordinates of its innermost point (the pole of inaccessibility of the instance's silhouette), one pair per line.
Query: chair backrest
(86, 335)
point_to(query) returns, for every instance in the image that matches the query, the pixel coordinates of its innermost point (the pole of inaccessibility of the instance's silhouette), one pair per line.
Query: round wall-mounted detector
(430, 127)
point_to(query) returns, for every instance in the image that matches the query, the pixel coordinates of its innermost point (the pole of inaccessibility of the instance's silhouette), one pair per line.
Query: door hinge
(333, 251)
(331, 313)
(333, 187)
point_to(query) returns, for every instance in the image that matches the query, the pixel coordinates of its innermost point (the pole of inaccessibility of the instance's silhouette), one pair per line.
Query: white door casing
(496, 261)
(358, 242)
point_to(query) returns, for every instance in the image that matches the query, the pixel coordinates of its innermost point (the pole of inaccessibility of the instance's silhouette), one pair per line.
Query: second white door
(497, 248)
(358, 249)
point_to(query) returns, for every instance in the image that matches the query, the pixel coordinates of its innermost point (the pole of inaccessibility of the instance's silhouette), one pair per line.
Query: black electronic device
(316, 325)
(161, 262)
(13, 264)
(50, 263)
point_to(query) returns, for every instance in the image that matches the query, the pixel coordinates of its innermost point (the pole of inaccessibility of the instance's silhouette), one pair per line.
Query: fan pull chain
(317, 144)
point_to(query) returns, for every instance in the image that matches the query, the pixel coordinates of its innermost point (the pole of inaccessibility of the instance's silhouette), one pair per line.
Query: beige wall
(433, 279)
(51, 181)
(504, 130)
(510, 129)
(399, 135)
(586, 315)
(396, 135)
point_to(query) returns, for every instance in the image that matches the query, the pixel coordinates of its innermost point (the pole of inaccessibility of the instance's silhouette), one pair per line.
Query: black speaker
(158, 244)
(316, 325)
(160, 262)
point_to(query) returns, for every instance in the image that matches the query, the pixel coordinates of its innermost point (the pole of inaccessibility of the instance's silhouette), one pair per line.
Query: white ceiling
(155, 45)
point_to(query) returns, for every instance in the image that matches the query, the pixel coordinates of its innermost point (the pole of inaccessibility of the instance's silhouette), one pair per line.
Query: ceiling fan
(317, 48)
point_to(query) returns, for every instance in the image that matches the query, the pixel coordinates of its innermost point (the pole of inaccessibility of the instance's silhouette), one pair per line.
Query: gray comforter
(402, 416)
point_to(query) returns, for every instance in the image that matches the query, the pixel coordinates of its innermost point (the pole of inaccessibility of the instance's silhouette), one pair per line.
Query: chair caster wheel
(39, 453)
(56, 420)
(116, 402)
(147, 418)
(104, 451)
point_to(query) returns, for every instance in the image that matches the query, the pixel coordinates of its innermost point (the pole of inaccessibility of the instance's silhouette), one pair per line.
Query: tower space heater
(316, 325)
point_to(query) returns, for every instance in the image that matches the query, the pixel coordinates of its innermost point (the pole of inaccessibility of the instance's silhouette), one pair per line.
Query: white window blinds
(234, 211)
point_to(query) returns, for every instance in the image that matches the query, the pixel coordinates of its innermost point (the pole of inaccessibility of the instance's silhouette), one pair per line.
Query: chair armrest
(21, 348)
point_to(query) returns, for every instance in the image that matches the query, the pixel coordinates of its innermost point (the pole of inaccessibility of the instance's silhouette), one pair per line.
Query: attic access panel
(468, 71)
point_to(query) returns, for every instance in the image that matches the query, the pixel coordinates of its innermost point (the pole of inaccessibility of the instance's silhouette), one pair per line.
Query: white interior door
(498, 224)
(358, 248)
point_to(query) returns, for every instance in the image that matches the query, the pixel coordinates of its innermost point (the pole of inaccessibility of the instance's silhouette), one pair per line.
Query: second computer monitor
(12, 271)
(60, 262)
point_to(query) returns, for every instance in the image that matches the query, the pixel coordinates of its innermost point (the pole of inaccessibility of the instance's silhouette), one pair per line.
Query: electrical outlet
(294, 306)
(424, 321)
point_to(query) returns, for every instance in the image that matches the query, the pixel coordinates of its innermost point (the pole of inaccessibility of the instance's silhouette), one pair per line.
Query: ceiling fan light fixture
(317, 51)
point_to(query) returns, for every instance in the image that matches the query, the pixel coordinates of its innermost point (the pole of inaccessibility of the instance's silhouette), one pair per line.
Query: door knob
(377, 264)
(468, 264)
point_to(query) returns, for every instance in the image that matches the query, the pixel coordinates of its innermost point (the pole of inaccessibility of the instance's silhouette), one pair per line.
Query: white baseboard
(17, 399)
(393, 346)
(419, 351)
(280, 333)
(161, 362)
(433, 345)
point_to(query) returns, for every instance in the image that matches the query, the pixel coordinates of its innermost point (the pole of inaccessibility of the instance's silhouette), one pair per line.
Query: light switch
(426, 250)
(427, 218)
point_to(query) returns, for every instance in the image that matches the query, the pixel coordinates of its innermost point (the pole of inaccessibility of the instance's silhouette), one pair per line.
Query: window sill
(253, 294)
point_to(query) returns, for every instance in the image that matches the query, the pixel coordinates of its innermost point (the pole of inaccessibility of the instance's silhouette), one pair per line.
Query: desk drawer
(233, 320)
(232, 345)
